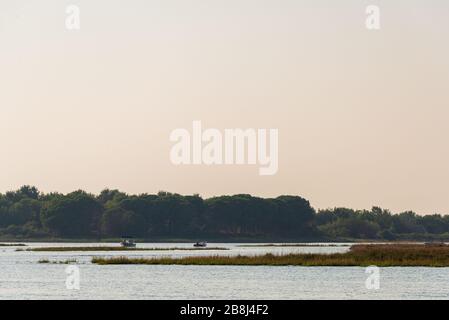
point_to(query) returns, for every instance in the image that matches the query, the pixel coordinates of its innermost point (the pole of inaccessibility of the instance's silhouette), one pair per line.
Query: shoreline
(267, 241)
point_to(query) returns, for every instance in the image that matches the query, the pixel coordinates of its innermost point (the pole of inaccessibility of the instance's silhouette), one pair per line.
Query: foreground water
(23, 277)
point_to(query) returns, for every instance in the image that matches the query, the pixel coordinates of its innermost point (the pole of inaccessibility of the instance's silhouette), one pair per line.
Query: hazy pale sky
(362, 115)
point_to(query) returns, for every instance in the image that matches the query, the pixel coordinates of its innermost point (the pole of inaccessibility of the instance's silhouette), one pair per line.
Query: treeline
(30, 214)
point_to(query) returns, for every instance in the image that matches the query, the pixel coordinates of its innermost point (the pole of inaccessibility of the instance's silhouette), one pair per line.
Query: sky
(361, 114)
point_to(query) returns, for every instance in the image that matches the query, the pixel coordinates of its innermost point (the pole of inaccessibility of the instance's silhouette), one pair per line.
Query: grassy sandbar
(359, 255)
(75, 249)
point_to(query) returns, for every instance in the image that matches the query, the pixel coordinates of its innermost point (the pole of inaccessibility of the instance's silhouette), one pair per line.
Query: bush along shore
(385, 255)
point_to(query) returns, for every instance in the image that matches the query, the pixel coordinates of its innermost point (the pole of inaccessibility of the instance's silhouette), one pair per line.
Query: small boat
(202, 244)
(126, 243)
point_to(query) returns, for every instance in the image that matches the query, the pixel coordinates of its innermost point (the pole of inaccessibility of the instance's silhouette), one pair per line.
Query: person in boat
(200, 244)
(128, 243)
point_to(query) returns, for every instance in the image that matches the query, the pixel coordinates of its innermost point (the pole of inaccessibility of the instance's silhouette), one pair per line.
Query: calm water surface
(22, 277)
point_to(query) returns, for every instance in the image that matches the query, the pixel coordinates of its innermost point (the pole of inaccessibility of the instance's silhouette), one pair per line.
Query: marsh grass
(359, 255)
(68, 261)
(12, 245)
(62, 249)
(44, 261)
(291, 245)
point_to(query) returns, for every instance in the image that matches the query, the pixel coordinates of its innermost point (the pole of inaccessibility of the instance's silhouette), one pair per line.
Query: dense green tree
(110, 198)
(118, 222)
(76, 214)
(25, 210)
(355, 228)
(407, 222)
(434, 224)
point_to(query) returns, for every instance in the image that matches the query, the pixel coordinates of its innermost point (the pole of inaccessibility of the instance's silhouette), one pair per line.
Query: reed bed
(359, 255)
(291, 245)
(68, 261)
(44, 261)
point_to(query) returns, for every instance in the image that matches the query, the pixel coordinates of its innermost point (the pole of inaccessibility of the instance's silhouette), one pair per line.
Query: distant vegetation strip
(291, 245)
(68, 261)
(12, 245)
(27, 214)
(51, 249)
(359, 255)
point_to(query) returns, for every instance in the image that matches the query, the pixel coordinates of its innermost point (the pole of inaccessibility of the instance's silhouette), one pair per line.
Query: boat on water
(127, 243)
(201, 244)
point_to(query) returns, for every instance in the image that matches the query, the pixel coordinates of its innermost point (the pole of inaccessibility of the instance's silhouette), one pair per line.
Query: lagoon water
(22, 277)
